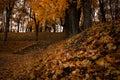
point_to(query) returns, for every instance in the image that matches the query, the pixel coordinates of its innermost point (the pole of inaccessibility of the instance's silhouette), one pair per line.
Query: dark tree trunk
(18, 24)
(72, 18)
(36, 24)
(66, 25)
(101, 4)
(86, 13)
(54, 27)
(78, 19)
(117, 10)
(6, 27)
(111, 12)
(40, 29)
(30, 28)
(36, 27)
(8, 14)
(37, 32)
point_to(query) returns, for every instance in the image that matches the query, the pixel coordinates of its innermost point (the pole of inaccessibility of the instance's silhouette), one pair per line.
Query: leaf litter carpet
(91, 55)
(18, 58)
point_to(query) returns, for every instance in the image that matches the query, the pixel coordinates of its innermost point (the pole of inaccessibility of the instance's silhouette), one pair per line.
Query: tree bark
(72, 18)
(36, 27)
(101, 3)
(18, 24)
(111, 12)
(66, 25)
(116, 10)
(36, 24)
(6, 28)
(8, 14)
(86, 13)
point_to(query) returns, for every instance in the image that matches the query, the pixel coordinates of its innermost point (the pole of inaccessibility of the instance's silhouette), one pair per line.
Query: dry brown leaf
(111, 46)
(32, 76)
(58, 72)
(100, 62)
(110, 59)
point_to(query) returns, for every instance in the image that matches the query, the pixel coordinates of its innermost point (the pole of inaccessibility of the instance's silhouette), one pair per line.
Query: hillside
(91, 55)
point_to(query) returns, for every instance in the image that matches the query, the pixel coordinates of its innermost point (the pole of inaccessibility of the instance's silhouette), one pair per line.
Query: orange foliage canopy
(48, 9)
(52, 9)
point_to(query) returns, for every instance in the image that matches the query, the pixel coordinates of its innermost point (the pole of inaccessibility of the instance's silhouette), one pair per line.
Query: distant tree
(36, 22)
(45, 10)
(109, 10)
(7, 6)
(2, 20)
(114, 9)
(19, 13)
(117, 9)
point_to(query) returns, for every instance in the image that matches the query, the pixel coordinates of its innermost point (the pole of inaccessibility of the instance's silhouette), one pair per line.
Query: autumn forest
(59, 39)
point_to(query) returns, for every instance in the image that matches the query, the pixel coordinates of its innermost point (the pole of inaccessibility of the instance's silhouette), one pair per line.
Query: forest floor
(12, 64)
(16, 58)
(94, 54)
(19, 53)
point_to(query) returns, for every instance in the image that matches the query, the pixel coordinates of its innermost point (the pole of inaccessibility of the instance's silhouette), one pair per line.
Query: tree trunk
(36, 24)
(66, 25)
(101, 3)
(18, 26)
(116, 10)
(40, 29)
(86, 14)
(111, 12)
(8, 14)
(6, 27)
(37, 27)
(54, 27)
(72, 19)
(37, 32)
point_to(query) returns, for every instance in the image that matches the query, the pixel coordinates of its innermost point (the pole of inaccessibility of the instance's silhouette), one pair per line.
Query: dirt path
(12, 65)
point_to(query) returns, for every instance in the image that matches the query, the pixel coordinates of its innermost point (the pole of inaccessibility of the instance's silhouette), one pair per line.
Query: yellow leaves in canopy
(30, 23)
(48, 9)
(62, 5)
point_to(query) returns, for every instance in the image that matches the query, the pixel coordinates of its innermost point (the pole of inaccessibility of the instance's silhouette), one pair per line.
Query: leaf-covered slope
(91, 55)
